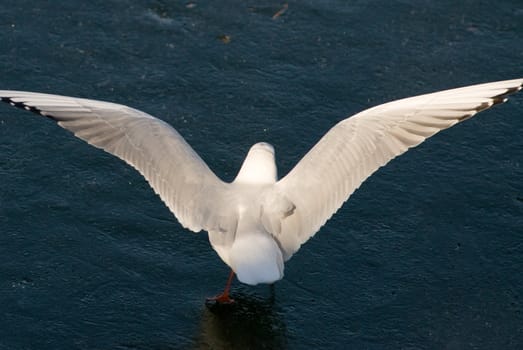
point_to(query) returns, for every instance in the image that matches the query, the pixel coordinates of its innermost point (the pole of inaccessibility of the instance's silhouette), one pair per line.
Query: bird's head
(259, 167)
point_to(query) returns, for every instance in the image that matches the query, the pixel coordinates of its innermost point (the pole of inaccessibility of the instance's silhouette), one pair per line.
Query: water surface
(427, 254)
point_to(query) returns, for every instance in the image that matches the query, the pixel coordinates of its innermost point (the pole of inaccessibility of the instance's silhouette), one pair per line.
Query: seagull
(257, 222)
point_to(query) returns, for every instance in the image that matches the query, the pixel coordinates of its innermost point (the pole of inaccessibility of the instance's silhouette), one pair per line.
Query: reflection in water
(250, 323)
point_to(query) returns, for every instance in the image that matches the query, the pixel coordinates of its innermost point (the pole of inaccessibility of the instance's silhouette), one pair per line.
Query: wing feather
(172, 168)
(358, 146)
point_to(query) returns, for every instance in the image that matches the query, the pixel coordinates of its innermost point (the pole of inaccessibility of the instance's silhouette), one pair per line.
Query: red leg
(224, 297)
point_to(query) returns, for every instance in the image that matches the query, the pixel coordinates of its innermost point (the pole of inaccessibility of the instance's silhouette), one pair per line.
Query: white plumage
(256, 222)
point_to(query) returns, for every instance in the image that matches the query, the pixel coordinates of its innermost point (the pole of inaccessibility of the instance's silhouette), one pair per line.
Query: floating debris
(190, 5)
(281, 11)
(224, 38)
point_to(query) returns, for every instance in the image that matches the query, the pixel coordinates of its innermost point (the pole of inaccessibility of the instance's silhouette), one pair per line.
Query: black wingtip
(503, 97)
(494, 100)
(25, 107)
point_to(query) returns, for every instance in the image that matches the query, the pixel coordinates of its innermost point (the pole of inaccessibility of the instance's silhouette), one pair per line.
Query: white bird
(257, 222)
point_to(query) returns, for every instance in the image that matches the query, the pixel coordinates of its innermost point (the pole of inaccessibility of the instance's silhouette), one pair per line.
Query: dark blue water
(428, 254)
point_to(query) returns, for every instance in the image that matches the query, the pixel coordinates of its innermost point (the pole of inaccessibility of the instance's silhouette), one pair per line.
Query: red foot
(223, 298)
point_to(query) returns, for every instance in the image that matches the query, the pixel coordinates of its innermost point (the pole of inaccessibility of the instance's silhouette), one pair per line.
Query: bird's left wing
(356, 147)
(172, 168)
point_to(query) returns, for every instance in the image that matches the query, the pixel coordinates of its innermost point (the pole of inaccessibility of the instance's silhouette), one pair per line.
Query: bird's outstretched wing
(356, 147)
(172, 168)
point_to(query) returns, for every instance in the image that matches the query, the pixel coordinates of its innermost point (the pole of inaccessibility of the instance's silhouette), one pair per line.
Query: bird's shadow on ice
(250, 323)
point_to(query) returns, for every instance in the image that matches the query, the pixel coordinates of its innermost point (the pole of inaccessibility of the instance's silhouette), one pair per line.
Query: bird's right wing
(172, 168)
(356, 147)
